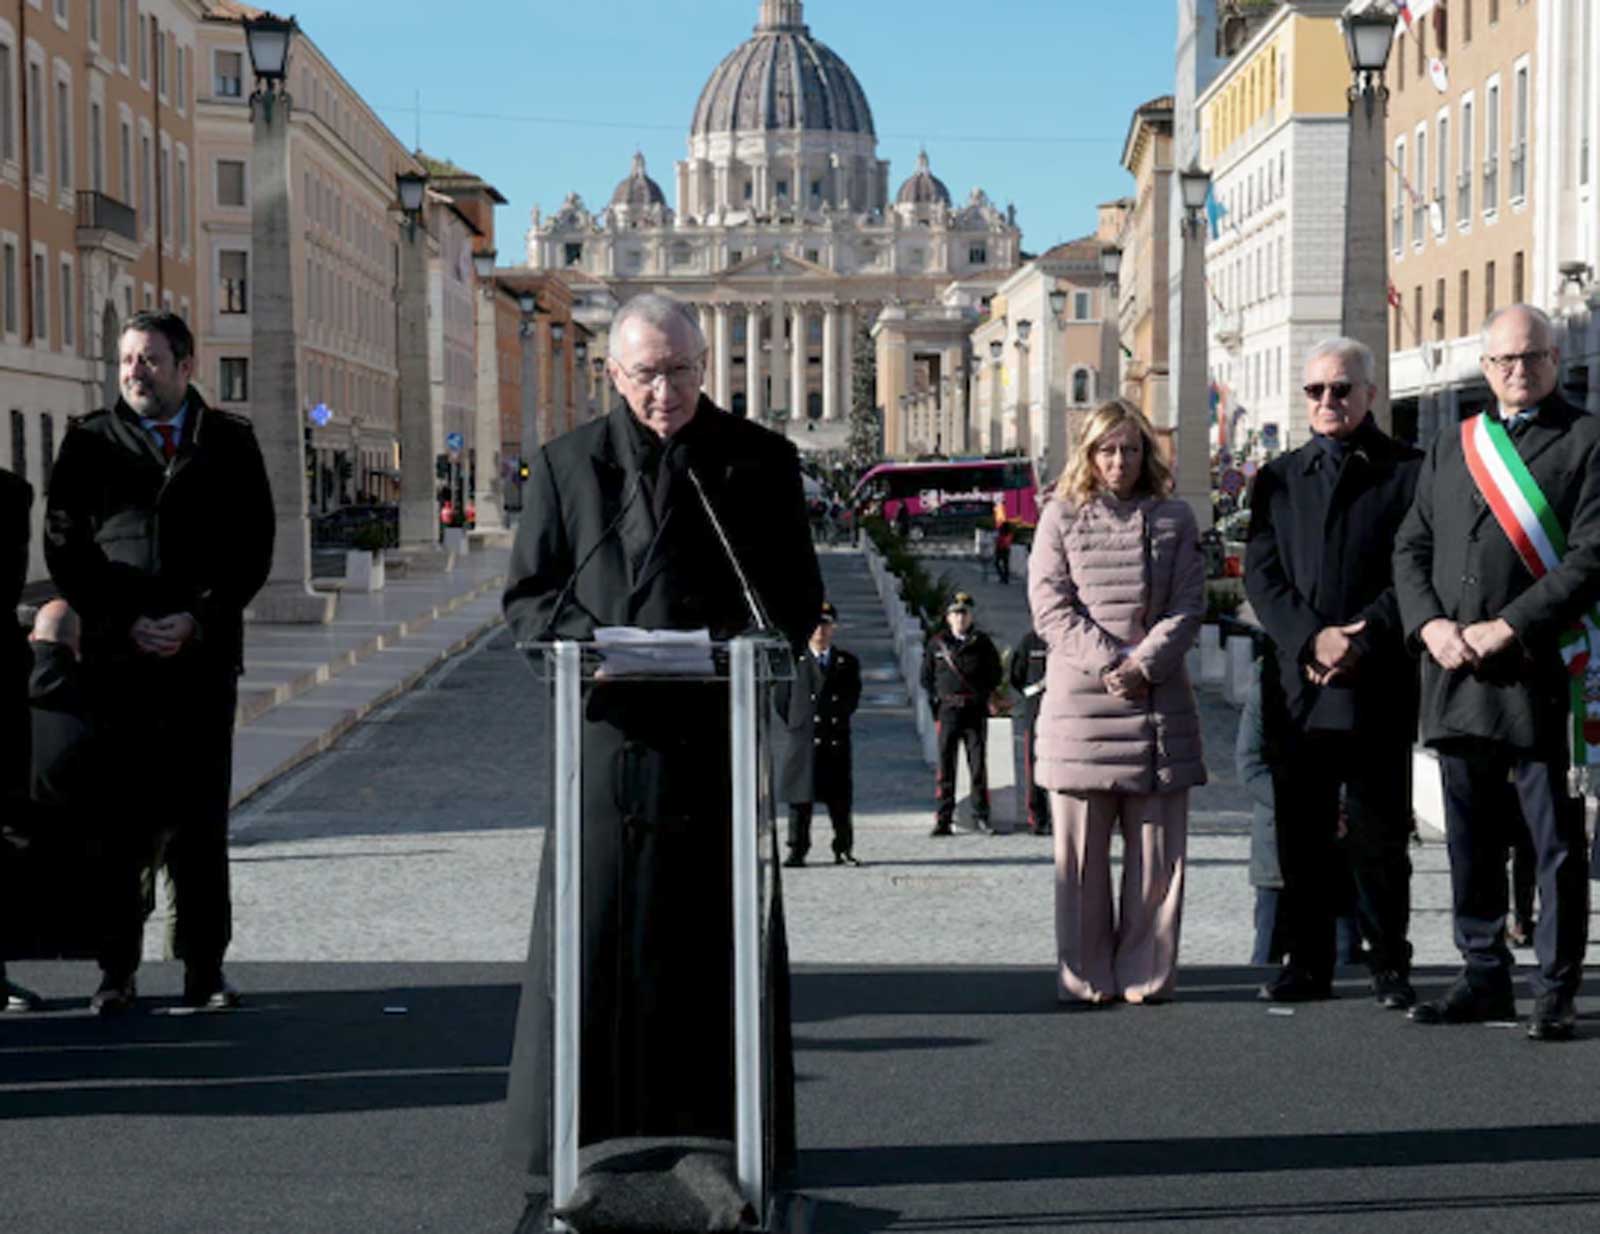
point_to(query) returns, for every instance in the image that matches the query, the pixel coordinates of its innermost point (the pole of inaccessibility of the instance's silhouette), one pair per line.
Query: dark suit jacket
(817, 710)
(1452, 560)
(1321, 555)
(16, 532)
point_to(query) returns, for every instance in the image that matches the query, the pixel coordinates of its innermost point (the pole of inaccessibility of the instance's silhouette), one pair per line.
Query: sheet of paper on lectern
(627, 651)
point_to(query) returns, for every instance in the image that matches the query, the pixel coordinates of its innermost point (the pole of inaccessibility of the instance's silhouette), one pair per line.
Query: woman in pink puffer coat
(1117, 588)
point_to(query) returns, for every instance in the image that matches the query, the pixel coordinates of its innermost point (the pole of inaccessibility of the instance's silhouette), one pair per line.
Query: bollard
(1213, 667)
(1239, 658)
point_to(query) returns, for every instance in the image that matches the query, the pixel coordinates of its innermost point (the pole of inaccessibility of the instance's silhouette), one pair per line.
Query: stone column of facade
(419, 516)
(486, 448)
(722, 390)
(276, 412)
(847, 370)
(754, 403)
(799, 361)
(708, 370)
(777, 357)
(830, 363)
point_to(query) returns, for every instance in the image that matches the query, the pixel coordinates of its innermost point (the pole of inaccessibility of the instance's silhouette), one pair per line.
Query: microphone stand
(752, 601)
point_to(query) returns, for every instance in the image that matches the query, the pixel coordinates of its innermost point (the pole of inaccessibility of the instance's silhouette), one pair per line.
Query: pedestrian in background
(1004, 538)
(960, 670)
(1338, 698)
(16, 500)
(1027, 677)
(1496, 564)
(158, 532)
(817, 763)
(1117, 589)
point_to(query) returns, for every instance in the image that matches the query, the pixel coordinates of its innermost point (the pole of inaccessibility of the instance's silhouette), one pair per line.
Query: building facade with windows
(785, 237)
(344, 237)
(96, 164)
(1142, 354)
(1274, 132)
(1464, 193)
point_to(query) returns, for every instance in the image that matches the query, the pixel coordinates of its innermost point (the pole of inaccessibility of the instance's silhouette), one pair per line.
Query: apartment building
(1274, 134)
(344, 238)
(96, 167)
(1141, 310)
(1463, 198)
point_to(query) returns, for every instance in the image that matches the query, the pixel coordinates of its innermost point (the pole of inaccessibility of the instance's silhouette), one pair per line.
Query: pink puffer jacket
(1112, 580)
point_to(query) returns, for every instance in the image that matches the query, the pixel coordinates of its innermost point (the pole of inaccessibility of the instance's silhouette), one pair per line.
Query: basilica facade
(785, 239)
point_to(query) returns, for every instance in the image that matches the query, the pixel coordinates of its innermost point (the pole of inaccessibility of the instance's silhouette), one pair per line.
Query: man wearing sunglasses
(1496, 567)
(1338, 703)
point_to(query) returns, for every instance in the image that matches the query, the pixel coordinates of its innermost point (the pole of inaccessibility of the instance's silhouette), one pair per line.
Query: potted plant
(363, 561)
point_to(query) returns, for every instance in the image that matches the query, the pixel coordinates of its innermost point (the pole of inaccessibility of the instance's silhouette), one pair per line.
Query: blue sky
(1029, 99)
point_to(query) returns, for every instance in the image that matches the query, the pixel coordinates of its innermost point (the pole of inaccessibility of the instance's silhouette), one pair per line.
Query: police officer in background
(816, 761)
(960, 670)
(1027, 679)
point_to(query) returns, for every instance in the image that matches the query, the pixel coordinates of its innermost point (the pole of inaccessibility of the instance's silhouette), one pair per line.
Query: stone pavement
(304, 686)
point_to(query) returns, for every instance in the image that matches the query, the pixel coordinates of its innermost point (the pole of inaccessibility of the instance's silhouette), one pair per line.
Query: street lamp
(1193, 453)
(411, 185)
(1369, 27)
(267, 39)
(483, 265)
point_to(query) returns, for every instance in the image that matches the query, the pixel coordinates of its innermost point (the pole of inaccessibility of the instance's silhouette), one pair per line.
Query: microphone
(680, 461)
(572, 583)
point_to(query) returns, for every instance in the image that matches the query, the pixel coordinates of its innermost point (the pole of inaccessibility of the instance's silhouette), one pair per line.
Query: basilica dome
(782, 78)
(638, 190)
(922, 187)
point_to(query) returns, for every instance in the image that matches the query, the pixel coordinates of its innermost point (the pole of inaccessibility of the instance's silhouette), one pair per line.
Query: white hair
(658, 310)
(1347, 349)
(1538, 315)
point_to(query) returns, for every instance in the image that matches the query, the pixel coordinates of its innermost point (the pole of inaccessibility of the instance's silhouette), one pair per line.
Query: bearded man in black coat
(613, 533)
(1496, 694)
(158, 533)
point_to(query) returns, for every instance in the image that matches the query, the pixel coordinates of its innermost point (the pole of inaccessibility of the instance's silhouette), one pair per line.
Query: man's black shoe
(1466, 1003)
(18, 998)
(1555, 1018)
(1295, 985)
(940, 829)
(1393, 990)
(794, 861)
(210, 991)
(115, 996)
(845, 859)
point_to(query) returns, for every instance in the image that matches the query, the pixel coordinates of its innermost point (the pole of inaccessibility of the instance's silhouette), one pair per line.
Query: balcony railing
(1519, 167)
(1398, 214)
(102, 213)
(1491, 184)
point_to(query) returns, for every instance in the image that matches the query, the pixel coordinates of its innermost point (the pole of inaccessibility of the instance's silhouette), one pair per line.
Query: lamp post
(1368, 35)
(602, 387)
(1193, 456)
(996, 353)
(528, 305)
(1110, 383)
(276, 408)
(485, 446)
(558, 379)
(1025, 428)
(580, 374)
(419, 517)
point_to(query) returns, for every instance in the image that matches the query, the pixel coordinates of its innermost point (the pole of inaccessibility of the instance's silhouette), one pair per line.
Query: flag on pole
(1214, 211)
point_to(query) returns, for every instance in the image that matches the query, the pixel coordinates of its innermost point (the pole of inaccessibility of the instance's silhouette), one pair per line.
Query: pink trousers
(1103, 952)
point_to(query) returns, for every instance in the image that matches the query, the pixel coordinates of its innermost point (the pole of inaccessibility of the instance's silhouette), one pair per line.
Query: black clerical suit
(1027, 676)
(613, 533)
(130, 534)
(816, 766)
(959, 675)
(1509, 717)
(16, 498)
(1323, 520)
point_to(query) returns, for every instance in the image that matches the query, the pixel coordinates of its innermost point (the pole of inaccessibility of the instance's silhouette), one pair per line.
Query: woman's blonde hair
(1079, 482)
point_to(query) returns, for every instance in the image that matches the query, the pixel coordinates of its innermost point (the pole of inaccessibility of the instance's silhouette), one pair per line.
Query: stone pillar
(722, 394)
(830, 363)
(847, 370)
(1194, 410)
(486, 445)
(708, 369)
(799, 351)
(996, 420)
(1365, 296)
(276, 410)
(529, 339)
(754, 403)
(419, 514)
(778, 357)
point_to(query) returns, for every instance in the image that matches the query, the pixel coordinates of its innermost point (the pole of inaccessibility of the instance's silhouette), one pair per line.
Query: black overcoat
(16, 532)
(1453, 560)
(657, 942)
(816, 710)
(1321, 554)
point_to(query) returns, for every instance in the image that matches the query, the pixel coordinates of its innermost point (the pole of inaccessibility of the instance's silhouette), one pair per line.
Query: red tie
(169, 440)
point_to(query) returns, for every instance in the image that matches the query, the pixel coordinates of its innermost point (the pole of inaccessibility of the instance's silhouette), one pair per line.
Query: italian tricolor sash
(1522, 511)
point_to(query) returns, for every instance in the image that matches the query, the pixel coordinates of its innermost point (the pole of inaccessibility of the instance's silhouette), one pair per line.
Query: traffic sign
(320, 414)
(1231, 481)
(454, 441)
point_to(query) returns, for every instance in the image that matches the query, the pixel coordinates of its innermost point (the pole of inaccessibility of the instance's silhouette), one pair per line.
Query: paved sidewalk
(304, 686)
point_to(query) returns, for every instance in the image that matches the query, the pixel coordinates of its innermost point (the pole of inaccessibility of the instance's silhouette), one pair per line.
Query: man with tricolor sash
(1497, 569)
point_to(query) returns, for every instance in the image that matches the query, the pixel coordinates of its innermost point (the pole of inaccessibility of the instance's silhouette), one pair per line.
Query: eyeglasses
(1339, 389)
(1526, 358)
(673, 375)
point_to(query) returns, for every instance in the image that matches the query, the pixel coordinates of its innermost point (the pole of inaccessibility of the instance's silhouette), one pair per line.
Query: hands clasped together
(163, 636)
(1454, 646)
